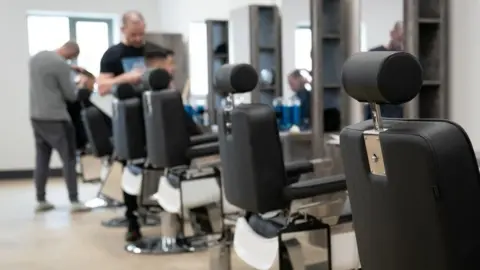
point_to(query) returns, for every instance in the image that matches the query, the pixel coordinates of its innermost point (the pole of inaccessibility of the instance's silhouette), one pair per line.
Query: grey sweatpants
(59, 136)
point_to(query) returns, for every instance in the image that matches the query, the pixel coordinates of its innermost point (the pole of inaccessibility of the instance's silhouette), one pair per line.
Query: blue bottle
(287, 115)
(199, 114)
(189, 109)
(296, 110)
(278, 108)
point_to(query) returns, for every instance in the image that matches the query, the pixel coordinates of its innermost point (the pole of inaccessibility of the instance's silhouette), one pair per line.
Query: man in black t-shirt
(395, 44)
(125, 63)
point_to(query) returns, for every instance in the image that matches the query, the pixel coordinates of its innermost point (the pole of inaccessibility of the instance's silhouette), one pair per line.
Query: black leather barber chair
(257, 180)
(75, 111)
(414, 184)
(183, 189)
(129, 143)
(98, 132)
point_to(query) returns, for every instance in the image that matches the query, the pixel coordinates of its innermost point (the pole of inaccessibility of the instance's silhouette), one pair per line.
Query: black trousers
(130, 213)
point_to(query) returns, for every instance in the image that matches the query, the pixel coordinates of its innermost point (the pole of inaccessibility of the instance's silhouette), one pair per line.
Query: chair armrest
(297, 168)
(315, 187)
(203, 138)
(203, 150)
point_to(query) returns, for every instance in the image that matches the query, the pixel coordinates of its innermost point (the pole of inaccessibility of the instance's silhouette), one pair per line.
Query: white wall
(176, 15)
(16, 141)
(464, 67)
(295, 13)
(379, 16)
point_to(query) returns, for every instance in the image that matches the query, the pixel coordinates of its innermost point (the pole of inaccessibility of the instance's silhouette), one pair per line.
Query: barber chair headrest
(382, 77)
(232, 79)
(152, 79)
(124, 91)
(158, 79)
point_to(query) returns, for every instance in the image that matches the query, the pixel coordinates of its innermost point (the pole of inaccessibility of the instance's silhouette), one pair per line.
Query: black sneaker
(133, 236)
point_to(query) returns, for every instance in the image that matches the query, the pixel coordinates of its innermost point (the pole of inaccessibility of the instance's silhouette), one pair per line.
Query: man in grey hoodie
(51, 87)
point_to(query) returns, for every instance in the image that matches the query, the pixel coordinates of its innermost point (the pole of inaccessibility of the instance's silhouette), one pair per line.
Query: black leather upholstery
(296, 168)
(98, 128)
(128, 129)
(232, 182)
(382, 77)
(166, 130)
(258, 160)
(203, 150)
(315, 187)
(238, 78)
(423, 214)
(204, 138)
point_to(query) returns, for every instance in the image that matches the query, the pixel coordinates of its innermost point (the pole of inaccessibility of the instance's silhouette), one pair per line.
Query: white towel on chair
(131, 183)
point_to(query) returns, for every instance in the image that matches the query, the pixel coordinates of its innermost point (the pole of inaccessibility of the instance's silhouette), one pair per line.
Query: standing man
(395, 44)
(51, 87)
(331, 114)
(125, 63)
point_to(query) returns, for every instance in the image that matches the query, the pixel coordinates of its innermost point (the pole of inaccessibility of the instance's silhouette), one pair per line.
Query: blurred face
(396, 36)
(72, 55)
(296, 84)
(134, 33)
(168, 64)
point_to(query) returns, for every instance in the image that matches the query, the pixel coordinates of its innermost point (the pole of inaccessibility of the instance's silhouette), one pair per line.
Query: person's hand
(77, 68)
(134, 76)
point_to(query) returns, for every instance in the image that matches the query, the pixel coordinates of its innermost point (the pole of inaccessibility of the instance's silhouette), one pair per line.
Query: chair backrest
(98, 128)
(422, 214)
(232, 182)
(128, 129)
(167, 136)
(258, 164)
(413, 184)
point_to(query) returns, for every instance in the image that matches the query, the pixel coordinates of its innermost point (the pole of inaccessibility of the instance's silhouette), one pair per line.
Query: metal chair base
(98, 203)
(122, 222)
(166, 245)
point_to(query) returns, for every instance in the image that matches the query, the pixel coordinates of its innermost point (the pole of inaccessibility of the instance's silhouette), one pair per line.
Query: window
(94, 36)
(303, 48)
(363, 37)
(197, 50)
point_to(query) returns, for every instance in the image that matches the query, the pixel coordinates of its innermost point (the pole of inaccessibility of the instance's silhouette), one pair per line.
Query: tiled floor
(59, 240)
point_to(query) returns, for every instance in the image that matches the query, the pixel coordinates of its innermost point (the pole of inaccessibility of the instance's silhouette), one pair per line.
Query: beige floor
(59, 240)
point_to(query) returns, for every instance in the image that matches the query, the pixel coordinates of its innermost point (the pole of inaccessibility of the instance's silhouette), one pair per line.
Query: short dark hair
(297, 73)
(153, 51)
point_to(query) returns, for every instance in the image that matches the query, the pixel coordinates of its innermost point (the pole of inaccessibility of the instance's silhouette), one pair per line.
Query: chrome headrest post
(377, 117)
(227, 109)
(229, 102)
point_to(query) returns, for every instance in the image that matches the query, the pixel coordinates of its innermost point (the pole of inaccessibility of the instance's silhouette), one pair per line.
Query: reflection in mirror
(382, 31)
(198, 59)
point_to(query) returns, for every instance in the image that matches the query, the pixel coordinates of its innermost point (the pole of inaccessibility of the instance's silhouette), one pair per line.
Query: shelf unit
(261, 39)
(329, 24)
(426, 36)
(217, 53)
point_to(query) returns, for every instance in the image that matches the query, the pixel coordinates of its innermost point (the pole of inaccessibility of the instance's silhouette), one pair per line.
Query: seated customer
(331, 114)
(158, 57)
(155, 57)
(84, 80)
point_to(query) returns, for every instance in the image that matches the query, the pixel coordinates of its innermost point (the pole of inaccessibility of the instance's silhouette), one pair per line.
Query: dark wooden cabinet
(217, 54)
(426, 36)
